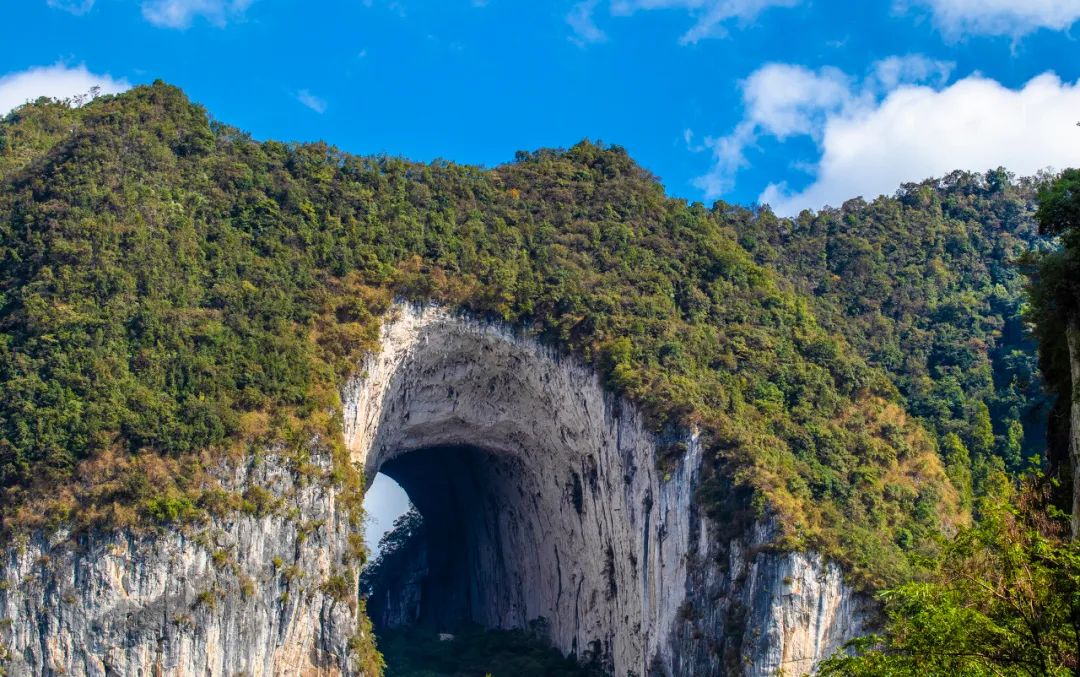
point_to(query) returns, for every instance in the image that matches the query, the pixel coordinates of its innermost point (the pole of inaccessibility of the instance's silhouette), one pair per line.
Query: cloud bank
(57, 81)
(900, 123)
(1016, 18)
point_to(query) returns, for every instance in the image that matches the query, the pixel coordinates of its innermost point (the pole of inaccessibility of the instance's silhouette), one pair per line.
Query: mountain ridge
(542, 243)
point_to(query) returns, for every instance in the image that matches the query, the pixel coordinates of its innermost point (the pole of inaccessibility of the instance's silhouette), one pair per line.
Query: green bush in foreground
(1004, 599)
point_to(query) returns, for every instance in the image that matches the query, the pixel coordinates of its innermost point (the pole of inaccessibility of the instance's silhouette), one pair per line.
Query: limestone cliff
(246, 595)
(547, 504)
(546, 508)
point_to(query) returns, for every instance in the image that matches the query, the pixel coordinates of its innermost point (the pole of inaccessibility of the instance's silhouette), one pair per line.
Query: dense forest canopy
(174, 293)
(1003, 597)
(930, 286)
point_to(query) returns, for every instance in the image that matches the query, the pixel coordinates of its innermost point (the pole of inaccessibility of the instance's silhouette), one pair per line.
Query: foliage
(369, 660)
(1004, 600)
(1055, 310)
(394, 551)
(1059, 204)
(339, 586)
(417, 652)
(172, 289)
(926, 285)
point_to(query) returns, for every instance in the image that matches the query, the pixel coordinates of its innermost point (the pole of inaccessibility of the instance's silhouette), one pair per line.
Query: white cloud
(311, 101)
(74, 6)
(786, 100)
(57, 82)
(917, 132)
(181, 13)
(583, 24)
(912, 68)
(900, 123)
(710, 15)
(1015, 18)
(780, 101)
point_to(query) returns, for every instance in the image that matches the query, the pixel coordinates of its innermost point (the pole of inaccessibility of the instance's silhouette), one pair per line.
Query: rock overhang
(574, 524)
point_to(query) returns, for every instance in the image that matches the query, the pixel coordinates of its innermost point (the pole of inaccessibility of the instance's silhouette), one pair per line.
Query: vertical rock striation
(544, 507)
(546, 494)
(241, 595)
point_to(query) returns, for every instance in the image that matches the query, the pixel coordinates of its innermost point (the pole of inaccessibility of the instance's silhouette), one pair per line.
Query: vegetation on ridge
(1004, 597)
(928, 285)
(173, 292)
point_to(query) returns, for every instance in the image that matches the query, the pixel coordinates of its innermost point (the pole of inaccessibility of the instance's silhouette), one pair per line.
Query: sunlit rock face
(237, 596)
(545, 508)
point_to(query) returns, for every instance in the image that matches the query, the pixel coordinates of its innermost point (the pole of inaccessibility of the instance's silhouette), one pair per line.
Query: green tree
(958, 466)
(1014, 443)
(1004, 599)
(1059, 205)
(1055, 311)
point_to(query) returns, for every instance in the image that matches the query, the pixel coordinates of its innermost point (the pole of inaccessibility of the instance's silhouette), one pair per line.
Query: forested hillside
(930, 285)
(173, 293)
(1003, 597)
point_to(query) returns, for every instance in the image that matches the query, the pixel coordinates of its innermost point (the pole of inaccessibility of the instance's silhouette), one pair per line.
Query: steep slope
(1055, 315)
(930, 286)
(176, 298)
(546, 509)
(265, 591)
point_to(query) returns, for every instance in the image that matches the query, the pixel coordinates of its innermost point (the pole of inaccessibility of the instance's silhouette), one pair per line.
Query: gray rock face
(548, 491)
(240, 596)
(548, 506)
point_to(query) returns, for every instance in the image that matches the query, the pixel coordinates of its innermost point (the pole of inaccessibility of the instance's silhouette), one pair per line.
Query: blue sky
(797, 102)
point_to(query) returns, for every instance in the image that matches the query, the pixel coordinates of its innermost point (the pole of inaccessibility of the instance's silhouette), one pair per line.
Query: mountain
(199, 330)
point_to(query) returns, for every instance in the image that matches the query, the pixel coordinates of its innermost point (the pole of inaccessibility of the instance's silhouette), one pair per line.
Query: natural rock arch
(563, 516)
(566, 517)
(570, 522)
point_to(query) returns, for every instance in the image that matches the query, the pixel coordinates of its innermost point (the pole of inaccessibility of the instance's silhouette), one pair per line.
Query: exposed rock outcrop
(549, 490)
(243, 595)
(544, 506)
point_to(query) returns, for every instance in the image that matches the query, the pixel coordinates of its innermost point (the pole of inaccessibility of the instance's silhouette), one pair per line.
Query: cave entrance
(543, 502)
(384, 502)
(469, 559)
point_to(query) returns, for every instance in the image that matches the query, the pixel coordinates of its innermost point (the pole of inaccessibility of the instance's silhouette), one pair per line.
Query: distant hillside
(929, 285)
